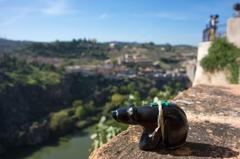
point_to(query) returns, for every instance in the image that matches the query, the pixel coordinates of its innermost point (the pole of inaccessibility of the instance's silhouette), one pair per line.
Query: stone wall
(233, 31)
(203, 77)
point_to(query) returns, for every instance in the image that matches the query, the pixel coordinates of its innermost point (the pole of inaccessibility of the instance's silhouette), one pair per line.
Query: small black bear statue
(173, 125)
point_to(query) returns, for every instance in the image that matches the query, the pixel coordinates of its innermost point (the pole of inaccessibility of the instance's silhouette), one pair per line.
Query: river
(74, 146)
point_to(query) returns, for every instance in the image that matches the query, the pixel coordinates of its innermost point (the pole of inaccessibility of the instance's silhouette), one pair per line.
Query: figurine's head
(136, 115)
(127, 115)
(173, 131)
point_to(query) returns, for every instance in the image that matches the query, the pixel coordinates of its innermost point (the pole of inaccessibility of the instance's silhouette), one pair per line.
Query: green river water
(74, 146)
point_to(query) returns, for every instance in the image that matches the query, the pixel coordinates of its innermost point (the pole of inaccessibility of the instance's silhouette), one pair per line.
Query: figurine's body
(174, 127)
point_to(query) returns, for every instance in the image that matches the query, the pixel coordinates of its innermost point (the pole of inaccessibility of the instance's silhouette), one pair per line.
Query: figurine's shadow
(200, 150)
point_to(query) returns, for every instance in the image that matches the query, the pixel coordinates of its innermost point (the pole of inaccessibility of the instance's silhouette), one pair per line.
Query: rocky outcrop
(38, 133)
(2, 150)
(22, 109)
(214, 128)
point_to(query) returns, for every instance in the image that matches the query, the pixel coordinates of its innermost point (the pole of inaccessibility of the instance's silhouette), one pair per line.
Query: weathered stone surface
(214, 119)
(2, 150)
(37, 133)
(233, 31)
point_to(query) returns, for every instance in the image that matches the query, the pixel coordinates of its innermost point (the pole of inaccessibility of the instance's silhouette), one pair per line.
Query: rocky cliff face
(214, 119)
(23, 114)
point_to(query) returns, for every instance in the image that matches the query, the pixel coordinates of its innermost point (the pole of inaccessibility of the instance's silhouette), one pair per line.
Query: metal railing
(210, 34)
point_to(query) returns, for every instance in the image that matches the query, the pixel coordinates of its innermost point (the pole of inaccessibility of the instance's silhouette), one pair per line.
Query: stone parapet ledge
(214, 128)
(233, 31)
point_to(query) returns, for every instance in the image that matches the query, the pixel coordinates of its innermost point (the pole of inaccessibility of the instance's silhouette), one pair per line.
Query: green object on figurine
(165, 103)
(156, 102)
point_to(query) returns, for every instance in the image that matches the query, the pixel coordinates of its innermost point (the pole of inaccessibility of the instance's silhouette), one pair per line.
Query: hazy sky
(160, 21)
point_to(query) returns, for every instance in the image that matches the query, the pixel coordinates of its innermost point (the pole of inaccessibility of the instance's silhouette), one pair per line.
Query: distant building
(45, 60)
(112, 45)
(163, 49)
(137, 59)
(108, 61)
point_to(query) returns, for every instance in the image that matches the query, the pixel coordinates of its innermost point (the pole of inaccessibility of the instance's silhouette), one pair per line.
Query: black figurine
(163, 123)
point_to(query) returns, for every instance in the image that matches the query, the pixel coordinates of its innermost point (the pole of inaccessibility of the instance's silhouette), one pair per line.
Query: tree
(153, 92)
(59, 121)
(117, 99)
(77, 103)
(168, 47)
(80, 112)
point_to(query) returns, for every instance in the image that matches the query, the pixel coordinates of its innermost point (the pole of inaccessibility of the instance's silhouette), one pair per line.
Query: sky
(158, 21)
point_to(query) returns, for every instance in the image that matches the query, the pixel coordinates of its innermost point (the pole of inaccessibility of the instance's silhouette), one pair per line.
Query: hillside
(63, 99)
(93, 50)
(39, 102)
(11, 46)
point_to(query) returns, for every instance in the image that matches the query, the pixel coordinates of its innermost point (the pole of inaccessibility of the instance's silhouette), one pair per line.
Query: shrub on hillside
(80, 112)
(103, 133)
(60, 121)
(222, 55)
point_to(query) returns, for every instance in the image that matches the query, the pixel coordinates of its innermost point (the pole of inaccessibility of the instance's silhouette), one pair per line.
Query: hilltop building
(136, 60)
